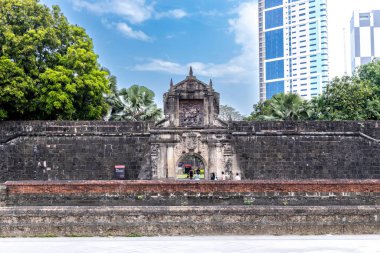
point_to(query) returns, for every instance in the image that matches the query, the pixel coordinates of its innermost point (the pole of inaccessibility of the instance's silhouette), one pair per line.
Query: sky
(148, 42)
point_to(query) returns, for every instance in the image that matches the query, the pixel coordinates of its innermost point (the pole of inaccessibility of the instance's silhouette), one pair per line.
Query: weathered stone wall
(73, 150)
(206, 220)
(307, 150)
(193, 193)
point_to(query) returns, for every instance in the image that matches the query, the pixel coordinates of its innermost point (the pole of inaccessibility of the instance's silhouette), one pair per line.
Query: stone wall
(74, 150)
(191, 220)
(305, 150)
(192, 193)
(53, 150)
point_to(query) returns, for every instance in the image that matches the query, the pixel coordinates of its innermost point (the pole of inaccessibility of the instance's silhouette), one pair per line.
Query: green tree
(227, 113)
(282, 106)
(370, 73)
(112, 98)
(137, 104)
(348, 98)
(48, 69)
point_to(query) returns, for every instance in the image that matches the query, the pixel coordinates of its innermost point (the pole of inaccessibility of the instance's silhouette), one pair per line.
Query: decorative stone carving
(228, 165)
(190, 103)
(227, 149)
(191, 141)
(154, 154)
(154, 149)
(191, 113)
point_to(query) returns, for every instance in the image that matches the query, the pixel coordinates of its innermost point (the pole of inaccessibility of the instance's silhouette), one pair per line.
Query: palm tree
(284, 106)
(137, 103)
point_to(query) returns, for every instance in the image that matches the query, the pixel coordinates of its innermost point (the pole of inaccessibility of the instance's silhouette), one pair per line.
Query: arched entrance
(190, 166)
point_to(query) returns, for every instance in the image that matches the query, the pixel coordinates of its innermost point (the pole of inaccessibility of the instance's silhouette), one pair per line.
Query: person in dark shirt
(191, 174)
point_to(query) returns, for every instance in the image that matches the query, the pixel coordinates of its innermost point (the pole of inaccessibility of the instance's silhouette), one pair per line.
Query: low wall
(211, 220)
(187, 193)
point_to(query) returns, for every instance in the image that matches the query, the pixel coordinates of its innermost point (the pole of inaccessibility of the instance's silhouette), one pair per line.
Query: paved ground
(212, 244)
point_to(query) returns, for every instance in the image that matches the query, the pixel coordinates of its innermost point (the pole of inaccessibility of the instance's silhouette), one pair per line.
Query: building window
(274, 18)
(272, 3)
(274, 88)
(274, 44)
(274, 70)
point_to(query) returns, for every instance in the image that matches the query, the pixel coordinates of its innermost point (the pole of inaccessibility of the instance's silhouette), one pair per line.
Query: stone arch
(195, 160)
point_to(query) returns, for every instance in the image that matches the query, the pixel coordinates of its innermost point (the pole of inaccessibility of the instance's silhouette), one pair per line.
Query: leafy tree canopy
(347, 98)
(48, 69)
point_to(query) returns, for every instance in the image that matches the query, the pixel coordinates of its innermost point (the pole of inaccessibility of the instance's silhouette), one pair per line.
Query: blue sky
(149, 42)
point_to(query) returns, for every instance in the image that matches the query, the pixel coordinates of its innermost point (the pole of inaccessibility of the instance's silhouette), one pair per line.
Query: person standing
(223, 176)
(237, 177)
(191, 173)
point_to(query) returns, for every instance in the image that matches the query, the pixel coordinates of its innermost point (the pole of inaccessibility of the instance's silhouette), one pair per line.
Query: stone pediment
(191, 103)
(192, 84)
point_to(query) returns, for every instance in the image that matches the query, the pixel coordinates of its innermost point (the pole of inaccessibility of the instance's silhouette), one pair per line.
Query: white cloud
(339, 16)
(241, 68)
(130, 33)
(132, 11)
(135, 11)
(176, 13)
(158, 65)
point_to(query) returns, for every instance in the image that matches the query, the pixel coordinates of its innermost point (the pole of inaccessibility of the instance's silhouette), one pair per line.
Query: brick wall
(256, 192)
(154, 186)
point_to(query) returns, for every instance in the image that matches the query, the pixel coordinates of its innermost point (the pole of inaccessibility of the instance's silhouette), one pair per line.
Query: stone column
(210, 115)
(155, 159)
(162, 164)
(170, 161)
(176, 112)
(205, 111)
(219, 160)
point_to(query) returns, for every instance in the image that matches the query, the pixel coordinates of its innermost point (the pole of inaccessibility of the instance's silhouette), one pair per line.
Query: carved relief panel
(191, 113)
(154, 155)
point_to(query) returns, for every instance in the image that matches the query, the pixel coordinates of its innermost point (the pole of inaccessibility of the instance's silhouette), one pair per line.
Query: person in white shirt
(237, 177)
(223, 176)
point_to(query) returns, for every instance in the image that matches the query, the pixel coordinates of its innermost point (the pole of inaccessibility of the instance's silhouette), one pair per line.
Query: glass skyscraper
(293, 47)
(365, 37)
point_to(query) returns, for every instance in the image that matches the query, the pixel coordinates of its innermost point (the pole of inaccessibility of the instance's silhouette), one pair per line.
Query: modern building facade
(293, 44)
(365, 37)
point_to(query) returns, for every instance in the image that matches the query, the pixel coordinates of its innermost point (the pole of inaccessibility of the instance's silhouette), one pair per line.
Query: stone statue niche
(191, 103)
